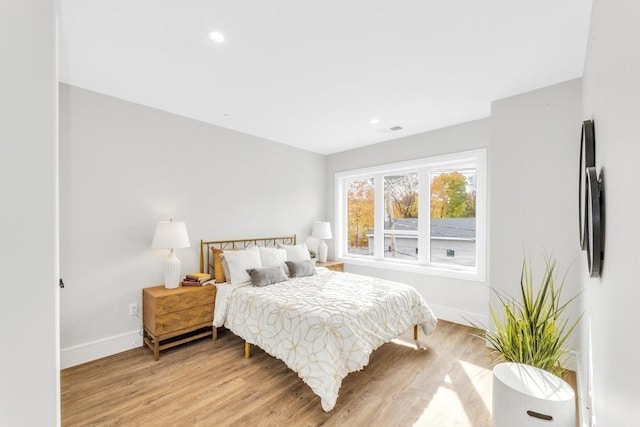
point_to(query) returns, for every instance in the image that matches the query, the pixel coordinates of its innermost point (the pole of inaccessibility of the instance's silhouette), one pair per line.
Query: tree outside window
(401, 216)
(360, 215)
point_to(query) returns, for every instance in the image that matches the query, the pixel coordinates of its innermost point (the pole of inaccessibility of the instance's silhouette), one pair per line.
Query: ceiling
(313, 74)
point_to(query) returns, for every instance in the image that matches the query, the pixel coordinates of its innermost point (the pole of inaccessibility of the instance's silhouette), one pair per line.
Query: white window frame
(424, 166)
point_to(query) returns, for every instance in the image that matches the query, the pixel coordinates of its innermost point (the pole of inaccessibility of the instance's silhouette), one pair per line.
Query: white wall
(451, 299)
(123, 168)
(612, 100)
(533, 180)
(29, 343)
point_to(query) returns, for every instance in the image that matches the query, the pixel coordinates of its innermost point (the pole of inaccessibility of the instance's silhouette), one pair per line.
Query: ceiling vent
(391, 129)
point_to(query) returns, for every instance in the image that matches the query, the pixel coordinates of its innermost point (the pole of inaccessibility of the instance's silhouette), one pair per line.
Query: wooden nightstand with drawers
(331, 265)
(175, 316)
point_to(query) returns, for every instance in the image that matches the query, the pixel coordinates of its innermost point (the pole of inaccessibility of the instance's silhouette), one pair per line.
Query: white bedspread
(325, 326)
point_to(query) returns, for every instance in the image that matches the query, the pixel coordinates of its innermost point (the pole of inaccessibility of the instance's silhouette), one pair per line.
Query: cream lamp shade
(322, 230)
(171, 235)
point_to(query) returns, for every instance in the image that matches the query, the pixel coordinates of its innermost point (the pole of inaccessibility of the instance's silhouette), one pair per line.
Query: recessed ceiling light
(374, 121)
(216, 37)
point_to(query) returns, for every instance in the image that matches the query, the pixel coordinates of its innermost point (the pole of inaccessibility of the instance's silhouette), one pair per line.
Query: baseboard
(82, 353)
(582, 393)
(459, 316)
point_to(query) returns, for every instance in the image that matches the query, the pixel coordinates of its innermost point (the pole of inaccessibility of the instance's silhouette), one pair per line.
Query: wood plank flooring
(447, 383)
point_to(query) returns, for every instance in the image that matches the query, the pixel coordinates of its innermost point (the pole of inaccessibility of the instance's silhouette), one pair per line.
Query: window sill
(426, 270)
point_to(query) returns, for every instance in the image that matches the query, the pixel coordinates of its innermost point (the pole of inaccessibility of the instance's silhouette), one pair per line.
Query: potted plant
(533, 331)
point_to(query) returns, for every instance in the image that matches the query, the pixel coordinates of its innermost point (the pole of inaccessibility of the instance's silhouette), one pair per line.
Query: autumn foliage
(360, 201)
(453, 196)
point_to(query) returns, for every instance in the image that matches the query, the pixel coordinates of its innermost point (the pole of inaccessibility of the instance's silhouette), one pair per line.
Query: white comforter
(323, 326)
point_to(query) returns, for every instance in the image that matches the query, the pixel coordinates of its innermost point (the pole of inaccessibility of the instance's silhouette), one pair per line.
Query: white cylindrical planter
(526, 396)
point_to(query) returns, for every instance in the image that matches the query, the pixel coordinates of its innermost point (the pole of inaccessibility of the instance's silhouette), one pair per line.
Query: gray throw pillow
(266, 276)
(301, 268)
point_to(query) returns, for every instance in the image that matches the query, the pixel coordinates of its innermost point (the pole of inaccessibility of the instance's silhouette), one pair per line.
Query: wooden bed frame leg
(415, 336)
(247, 350)
(214, 333)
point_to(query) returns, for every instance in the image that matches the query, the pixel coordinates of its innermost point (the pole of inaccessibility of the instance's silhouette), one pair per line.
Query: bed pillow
(301, 268)
(296, 252)
(220, 268)
(218, 271)
(271, 257)
(238, 262)
(267, 275)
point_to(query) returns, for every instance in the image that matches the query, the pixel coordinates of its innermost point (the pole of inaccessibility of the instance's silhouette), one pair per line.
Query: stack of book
(195, 279)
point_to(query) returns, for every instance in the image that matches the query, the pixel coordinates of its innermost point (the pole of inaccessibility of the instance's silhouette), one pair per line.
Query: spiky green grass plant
(533, 330)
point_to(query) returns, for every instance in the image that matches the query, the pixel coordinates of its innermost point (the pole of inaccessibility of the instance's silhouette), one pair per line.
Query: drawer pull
(540, 416)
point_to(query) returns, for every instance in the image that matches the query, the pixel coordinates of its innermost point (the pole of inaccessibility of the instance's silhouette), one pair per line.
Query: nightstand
(175, 316)
(331, 265)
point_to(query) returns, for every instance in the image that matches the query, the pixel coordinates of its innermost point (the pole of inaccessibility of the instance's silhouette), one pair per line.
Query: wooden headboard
(206, 255)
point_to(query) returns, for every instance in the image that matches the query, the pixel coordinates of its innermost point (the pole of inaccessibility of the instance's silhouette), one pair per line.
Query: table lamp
(322, 230)
(171, 235)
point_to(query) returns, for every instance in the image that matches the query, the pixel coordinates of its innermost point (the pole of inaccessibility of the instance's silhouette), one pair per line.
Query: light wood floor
(209, 383)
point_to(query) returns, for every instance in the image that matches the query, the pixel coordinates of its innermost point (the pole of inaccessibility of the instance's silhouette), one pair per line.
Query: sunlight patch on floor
(446, 408)
(406, 343)
(482, 380)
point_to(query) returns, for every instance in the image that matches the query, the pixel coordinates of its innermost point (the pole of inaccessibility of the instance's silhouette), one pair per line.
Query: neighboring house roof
(461, 228)
(464, 228)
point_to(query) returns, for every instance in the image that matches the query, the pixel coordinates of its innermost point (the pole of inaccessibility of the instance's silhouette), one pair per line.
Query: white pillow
(238, 262)
(296, 252)
(271, 257)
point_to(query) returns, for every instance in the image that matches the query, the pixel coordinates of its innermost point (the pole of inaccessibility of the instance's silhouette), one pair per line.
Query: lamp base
(322, 251)
(172, 271)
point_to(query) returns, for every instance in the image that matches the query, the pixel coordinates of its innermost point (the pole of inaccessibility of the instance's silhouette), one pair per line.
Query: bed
(323, 325)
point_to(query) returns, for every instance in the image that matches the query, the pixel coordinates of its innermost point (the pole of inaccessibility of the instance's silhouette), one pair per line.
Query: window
(425, 215)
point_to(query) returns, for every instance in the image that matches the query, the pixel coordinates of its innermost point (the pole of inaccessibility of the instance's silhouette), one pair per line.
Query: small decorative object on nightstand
(332, 265)
(176, 316)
